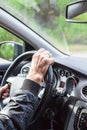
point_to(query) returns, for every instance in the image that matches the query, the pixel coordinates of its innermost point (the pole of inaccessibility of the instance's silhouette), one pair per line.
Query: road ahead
(80, 54)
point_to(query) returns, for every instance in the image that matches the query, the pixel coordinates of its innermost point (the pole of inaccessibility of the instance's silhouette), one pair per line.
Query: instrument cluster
(64, 80)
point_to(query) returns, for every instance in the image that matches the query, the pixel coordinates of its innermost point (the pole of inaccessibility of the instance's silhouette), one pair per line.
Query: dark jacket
(17, 114)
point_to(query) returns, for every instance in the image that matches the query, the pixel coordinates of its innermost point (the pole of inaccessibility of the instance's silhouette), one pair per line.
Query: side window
(10, 46)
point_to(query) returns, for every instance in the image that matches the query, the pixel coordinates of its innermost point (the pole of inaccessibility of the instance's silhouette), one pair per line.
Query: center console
(77, 118)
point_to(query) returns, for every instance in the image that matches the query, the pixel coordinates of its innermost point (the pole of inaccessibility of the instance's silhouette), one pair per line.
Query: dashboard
(66, 81)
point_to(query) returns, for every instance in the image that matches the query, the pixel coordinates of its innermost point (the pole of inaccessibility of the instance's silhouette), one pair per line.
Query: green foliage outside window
(47, 20)
(7, 51)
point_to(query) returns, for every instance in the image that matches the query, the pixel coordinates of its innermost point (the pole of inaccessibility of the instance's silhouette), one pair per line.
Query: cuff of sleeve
(32, 86)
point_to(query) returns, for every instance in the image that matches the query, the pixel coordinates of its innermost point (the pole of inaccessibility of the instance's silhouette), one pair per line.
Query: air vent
(84, 91)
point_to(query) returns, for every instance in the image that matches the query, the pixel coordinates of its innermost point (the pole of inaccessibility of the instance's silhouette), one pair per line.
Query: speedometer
(70, 85)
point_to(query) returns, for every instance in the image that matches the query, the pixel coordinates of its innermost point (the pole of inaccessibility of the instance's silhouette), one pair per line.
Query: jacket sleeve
(21, 107)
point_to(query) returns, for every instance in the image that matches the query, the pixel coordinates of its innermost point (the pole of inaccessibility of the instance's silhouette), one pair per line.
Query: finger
(5, 95)
(45, 64)
(46, 61)
(46, 54)
(7, 91)
(39, 57)
(42, 51)
(4, 88)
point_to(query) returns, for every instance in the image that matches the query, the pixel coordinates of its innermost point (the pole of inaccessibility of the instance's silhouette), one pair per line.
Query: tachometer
(25, 69)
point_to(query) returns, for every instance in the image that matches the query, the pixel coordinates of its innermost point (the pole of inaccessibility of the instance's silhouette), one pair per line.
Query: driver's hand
(39, 65)
(4, 91)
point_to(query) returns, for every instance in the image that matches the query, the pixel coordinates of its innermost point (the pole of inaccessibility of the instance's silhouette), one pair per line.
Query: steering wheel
(48, 81)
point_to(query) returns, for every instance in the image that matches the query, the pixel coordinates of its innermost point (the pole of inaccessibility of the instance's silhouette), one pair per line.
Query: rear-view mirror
(77, 12)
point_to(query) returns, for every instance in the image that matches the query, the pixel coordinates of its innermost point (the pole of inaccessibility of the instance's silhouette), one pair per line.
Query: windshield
(47, 18)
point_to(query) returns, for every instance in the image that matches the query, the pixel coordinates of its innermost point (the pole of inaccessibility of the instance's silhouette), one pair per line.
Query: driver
(21, 107)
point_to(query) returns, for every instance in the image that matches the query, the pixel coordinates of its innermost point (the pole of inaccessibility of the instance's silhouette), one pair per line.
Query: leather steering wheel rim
(14, 64)
(49, 81)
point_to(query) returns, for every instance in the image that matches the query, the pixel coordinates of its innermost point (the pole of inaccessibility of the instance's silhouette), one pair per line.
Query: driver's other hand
(4, 91)
(39, 65)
